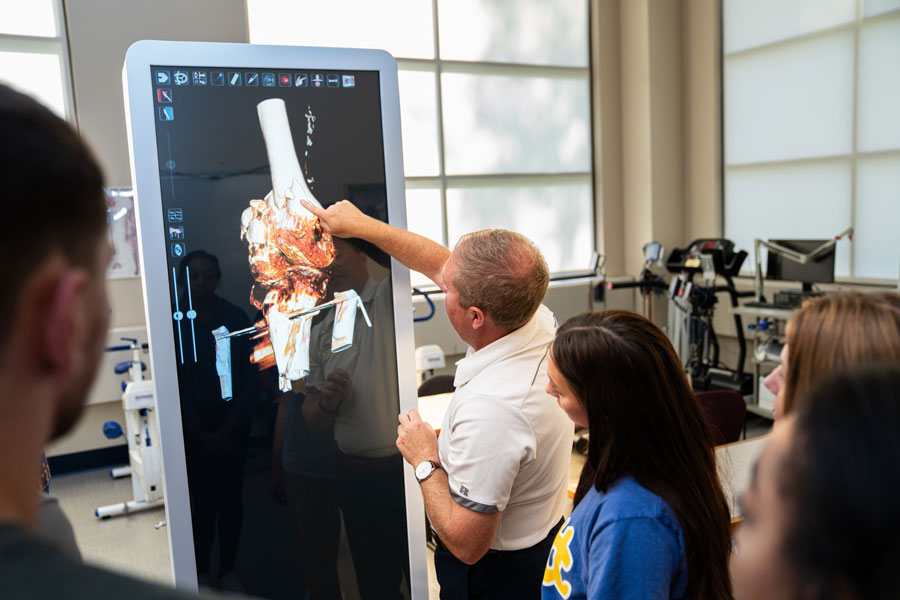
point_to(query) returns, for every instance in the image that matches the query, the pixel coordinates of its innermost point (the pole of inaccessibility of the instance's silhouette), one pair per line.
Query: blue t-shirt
(625, 543)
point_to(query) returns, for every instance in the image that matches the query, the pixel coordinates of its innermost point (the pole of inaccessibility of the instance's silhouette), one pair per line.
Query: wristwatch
(425, 468)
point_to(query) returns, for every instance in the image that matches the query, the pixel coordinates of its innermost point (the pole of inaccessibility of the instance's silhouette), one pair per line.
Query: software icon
(181, 78)
(348, 80)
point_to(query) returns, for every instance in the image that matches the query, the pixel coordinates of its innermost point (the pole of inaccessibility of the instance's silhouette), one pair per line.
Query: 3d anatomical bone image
(289, 253)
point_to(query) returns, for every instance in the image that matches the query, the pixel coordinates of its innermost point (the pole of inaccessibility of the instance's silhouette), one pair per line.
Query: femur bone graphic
(289, 253)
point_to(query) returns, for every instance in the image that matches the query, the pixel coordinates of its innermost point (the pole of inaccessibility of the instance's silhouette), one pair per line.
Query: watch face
(423, 469)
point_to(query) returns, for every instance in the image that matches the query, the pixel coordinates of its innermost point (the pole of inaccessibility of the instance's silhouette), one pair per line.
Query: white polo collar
(476, 362)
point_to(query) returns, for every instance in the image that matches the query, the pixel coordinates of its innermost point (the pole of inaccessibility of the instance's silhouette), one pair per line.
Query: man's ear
(64, 320)
(477, 317)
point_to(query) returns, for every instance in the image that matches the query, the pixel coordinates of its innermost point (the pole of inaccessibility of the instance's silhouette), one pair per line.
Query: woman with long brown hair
(831, 334)
(650, 519)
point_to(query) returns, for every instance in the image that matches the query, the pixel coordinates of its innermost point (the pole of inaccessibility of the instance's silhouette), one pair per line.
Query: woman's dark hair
(644, 422)
(841, 486)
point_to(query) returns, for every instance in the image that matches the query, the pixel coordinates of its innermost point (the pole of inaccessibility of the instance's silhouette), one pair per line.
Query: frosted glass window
(34, 17)
(419, 123)
(424, 216)
(877, 7)
(522, 31)
(879, 85)
(876, 239)
(402, 27)
(556, 217)
(39, 75)
(509, 124)
(790, 101)
(795, 201)
(749, 23)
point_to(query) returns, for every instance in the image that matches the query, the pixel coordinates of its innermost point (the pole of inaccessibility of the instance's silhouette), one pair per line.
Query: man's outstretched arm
(344, 220)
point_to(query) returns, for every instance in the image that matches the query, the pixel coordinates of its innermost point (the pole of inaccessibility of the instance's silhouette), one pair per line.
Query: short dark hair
(840, 481)
(644, 422)
(51, 190)
(192, 256)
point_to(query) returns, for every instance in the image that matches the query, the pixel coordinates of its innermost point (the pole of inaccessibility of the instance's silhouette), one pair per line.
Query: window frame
(58, 45)
(853, 157)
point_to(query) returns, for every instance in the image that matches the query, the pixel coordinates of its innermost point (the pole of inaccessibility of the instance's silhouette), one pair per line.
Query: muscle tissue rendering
(290, 255)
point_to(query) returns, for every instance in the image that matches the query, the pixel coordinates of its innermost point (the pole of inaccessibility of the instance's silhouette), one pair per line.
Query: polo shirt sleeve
(488, 444)
(636, 558)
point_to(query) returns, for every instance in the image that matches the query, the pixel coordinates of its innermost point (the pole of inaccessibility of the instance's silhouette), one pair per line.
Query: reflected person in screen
(54, 314)
(820, 515)
(353, 395)
(216, 431)
(494, 502)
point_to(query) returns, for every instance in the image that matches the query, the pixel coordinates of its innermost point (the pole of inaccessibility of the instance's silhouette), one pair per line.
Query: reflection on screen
(284, 335)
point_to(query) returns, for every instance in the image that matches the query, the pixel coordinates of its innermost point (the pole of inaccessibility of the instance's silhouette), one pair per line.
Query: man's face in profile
(89, 346)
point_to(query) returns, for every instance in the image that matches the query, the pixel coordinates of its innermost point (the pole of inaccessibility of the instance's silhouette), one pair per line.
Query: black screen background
(212, 162)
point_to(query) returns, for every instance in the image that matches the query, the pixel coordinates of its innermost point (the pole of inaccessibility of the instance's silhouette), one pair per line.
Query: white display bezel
(141, 126)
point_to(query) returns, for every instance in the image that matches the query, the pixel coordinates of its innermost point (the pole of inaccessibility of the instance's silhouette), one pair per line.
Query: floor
(134, 545)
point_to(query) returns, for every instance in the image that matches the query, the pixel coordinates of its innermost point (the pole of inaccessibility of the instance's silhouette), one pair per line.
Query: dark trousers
(216, 483)
(499, 575)
(371, 497)
(317, 520)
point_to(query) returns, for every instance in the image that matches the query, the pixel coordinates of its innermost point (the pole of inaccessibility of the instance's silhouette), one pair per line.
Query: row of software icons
(254, 79)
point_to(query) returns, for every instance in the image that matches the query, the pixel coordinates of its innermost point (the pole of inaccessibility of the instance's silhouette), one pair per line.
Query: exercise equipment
(650, 283)
(141, 434)
(692, 305)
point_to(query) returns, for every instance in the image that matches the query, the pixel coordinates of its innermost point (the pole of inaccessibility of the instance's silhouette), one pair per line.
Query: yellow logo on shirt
(560, 560)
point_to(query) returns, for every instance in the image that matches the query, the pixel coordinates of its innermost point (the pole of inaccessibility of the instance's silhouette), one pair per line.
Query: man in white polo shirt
(494, 484)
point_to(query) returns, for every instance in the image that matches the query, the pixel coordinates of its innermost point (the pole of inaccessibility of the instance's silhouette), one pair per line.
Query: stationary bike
(142, 434)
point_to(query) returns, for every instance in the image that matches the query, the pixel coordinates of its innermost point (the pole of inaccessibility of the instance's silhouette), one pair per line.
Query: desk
(432, 409)
(735, 465)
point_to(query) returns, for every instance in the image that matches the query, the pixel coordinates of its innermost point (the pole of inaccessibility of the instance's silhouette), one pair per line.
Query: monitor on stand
(818, 270)
(252, 309)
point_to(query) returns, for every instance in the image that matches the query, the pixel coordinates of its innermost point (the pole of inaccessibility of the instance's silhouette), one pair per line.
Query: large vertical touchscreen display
(284, 335)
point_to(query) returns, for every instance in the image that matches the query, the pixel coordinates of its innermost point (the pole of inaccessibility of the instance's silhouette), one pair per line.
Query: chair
(724, 412)
(439, 384)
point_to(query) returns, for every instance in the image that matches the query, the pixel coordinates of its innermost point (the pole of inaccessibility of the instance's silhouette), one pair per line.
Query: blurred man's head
(54, 310)
(349, 271)
(498, 272)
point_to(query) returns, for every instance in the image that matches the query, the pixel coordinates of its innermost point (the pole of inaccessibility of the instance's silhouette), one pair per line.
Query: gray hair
(501, 272)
